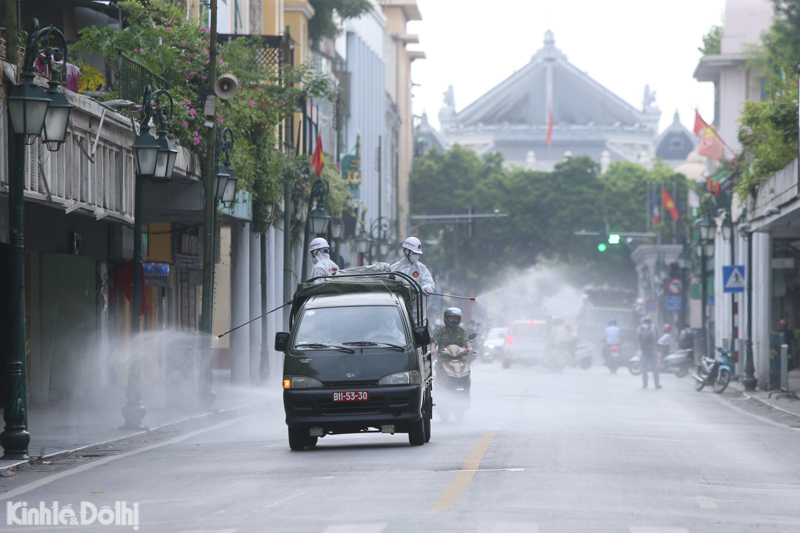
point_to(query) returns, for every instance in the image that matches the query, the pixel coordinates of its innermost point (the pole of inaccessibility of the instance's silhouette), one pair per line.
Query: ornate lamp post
(226, 177)
(684, 263)
(749, 367)
(155, 160)
(30, 113)
(318, 219)
(337, 228)
(378, 230)
(705, 250)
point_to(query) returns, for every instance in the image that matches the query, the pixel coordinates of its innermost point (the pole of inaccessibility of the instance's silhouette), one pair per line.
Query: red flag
(669, 205)
(549, 137)
(124, 279)
(712, 186)
(699, 123)
(318, 161)
(711, 145)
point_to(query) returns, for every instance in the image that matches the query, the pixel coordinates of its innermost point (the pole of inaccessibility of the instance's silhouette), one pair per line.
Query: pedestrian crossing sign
(733, 278)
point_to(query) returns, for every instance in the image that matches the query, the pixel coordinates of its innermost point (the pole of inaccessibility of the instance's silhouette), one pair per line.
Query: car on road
(526, 343)
(493, 345)
(355, 361)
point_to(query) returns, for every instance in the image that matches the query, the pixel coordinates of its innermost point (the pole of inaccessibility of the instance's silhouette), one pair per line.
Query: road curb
(66, 453)
(750, 397)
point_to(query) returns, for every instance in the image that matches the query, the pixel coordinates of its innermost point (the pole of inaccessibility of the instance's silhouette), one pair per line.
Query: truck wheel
(311, 441)
(416, 435)
(298, 438)
(426, 417)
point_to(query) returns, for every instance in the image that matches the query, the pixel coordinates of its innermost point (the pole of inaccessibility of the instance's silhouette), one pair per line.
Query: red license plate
(351, 396)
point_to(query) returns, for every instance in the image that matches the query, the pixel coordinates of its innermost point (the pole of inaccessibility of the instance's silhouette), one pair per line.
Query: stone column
(254, 289)
(762, 304)
(240, 303)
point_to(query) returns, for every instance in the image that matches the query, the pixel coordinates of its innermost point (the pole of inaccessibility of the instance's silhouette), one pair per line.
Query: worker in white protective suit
(320, 257)
(411, 266)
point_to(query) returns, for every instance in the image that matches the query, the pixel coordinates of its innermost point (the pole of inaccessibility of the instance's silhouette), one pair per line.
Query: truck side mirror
(421, 336)
(281, 341)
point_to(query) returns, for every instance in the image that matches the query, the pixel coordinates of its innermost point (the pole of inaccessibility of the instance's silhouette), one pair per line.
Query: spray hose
(453, 296)
(256, 318)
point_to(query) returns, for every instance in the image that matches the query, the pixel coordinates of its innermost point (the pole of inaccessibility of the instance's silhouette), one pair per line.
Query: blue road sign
(733, 278)
(650, 306)
(673, 302)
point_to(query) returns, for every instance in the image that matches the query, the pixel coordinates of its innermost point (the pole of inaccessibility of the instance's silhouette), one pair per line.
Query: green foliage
(544, 209)
(159, 35)
(712, 41)
(322, 24)
(782, 40)
(339, 197)
(91, 79)
(768, 134)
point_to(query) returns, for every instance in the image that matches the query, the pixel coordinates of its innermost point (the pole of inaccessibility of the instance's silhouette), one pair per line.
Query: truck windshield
(332, 326)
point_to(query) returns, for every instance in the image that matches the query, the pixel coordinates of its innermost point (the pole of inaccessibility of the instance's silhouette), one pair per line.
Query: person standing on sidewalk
(647, 344)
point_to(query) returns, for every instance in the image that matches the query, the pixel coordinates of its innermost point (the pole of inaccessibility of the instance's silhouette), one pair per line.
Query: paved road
(578, 451)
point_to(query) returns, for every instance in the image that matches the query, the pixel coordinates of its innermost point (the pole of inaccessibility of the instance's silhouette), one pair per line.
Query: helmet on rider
(452, 317)
(646, 320)
(412, 249)
(667, 328)
(317, 246)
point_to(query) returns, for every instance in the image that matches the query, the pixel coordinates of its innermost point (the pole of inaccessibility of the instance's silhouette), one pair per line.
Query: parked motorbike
(581, 356)
(715, 372)
(677, 363)
(452, 381)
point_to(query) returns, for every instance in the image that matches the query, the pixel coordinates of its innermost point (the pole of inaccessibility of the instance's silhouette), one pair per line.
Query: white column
(762, 304)
(274, 299)
(722, 299)
(240, 305)
(255, 305)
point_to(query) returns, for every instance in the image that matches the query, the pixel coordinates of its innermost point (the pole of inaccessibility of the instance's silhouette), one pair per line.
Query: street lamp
(749, 367)
(378, 230)
(318, 219)
(155, 160)
(28, 109)
(727, 228)
(362, 243)
(705, 250)
(226, 177)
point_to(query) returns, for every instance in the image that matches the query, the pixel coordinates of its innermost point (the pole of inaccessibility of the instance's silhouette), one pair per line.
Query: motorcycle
(581, 356)
(453, 380)
(613, 357)
(677, 363)
(715, 372)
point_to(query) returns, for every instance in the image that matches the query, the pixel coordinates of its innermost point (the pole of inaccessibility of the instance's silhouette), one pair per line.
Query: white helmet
(317, 244)
(413, 244)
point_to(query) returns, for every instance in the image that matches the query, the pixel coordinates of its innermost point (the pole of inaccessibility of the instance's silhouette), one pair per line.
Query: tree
(323, 24)
(712, 41)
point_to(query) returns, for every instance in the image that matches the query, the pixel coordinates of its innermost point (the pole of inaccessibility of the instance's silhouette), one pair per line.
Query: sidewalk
(60, 430)
(787, 405)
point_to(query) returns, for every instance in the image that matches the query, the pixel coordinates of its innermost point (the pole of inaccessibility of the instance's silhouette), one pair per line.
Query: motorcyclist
(323, 266)
(664, 343)
(612, 336)
(451, 332)
(411, 265)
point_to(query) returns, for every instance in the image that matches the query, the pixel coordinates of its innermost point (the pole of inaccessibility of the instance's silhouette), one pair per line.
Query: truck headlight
(302, 382)
(409, 377)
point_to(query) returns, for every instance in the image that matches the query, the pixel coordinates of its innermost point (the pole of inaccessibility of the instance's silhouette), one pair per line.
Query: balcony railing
(133, 77)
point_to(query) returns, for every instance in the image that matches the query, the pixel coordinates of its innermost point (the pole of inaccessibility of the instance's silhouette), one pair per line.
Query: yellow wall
(296, 14)
(221, 319)
(159, 242)
(272, 13)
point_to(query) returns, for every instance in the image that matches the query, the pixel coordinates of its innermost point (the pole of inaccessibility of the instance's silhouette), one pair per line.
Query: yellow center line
(459, 485)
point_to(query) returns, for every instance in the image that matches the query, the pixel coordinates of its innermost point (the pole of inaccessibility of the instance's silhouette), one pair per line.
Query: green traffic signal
(613, 238)
(601, 247)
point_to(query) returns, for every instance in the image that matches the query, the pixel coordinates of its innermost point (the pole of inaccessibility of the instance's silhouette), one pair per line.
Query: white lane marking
(485, 470)
(760, 418)
(356, 528)
(659, 530)
(324, 477)
(286, 499)
(507, 527)
(208, 531)
(61, 475)
(705, 503)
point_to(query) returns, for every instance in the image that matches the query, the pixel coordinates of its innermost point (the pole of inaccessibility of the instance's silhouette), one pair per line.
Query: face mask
(414, 258)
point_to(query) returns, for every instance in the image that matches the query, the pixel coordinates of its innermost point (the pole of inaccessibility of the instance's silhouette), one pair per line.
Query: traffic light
(613, 238)
(602, 247)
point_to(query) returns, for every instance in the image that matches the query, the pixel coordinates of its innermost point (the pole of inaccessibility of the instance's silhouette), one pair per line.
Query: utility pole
(205, 391)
